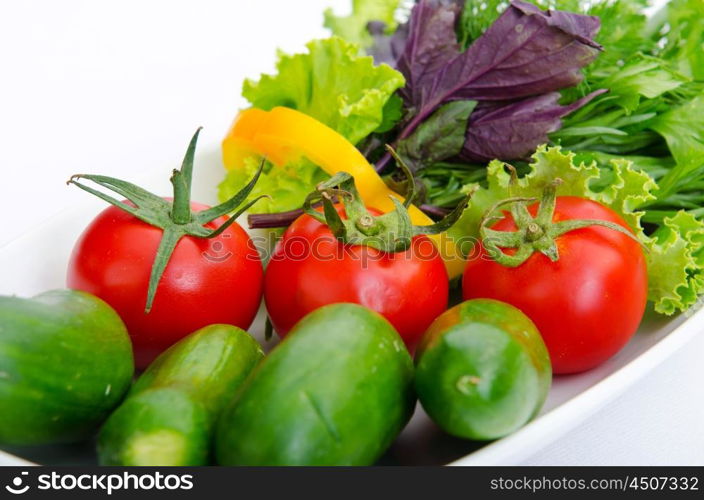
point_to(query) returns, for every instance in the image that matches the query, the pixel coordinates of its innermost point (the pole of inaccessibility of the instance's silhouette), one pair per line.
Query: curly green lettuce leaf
(331, 83)
(286, 186)
(353, 27)
(675, 263)
(675, 251)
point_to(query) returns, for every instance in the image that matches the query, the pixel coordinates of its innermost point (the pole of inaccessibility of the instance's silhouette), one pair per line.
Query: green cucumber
(158, 427)
(336, 391)
(168, 416)
(65, 363)
(482, 370)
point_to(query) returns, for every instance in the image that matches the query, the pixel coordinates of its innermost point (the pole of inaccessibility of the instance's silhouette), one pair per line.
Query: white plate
(37, 261)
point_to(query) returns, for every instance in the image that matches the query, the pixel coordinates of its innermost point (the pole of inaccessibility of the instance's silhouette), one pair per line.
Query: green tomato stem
(389, 232)
(534, 234)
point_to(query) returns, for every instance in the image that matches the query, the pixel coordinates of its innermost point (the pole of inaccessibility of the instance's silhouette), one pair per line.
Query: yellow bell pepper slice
(284, 134)
(238, 144)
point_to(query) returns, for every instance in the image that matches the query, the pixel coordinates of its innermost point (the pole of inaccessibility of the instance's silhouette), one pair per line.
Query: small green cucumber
(168, 416)
(482, 370)
(336, 391)
(65, 363)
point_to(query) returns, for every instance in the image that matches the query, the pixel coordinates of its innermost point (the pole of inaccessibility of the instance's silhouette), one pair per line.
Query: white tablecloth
(118, 87)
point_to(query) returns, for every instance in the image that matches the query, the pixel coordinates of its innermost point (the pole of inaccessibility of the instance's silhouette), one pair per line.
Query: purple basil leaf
(431, 45)
(512, 131)
(525, 52)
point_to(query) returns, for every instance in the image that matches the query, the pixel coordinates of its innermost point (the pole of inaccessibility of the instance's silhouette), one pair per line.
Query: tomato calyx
(175, 219)
(390, 232)
(533, 234)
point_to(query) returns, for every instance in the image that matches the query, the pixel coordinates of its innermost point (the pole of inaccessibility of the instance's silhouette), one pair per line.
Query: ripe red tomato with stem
(347, 252)
(311, 268)
(207, 281)
(167, 268)
(573, 266)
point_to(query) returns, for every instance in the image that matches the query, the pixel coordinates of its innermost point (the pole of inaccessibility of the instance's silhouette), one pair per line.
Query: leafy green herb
(683, 130)
(681, 25)
(444, 182)
(476, 17)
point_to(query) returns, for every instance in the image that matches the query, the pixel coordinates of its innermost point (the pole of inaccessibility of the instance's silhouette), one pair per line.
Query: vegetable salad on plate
(468, 199)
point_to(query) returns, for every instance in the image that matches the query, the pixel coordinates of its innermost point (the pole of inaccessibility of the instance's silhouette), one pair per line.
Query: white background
(118, 88)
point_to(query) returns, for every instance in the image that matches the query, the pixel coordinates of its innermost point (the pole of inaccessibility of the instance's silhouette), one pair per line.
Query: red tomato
(310, 268)
(206, 281)
(589, 303)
